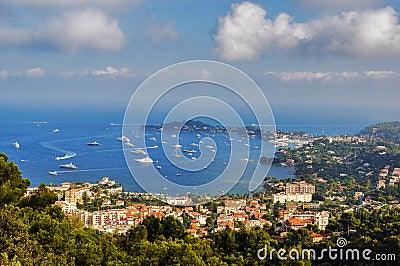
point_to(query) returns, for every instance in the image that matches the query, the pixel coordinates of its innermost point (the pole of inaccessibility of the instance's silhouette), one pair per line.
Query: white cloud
(108, 72)
(161, 32)
(246, 33)
(89, 28)
(71, 31)
(311, 76)
(381, 74)
(36, 73)
(113, 72)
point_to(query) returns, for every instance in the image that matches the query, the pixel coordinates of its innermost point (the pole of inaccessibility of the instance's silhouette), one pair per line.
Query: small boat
(209, 147)
(158, 167)
(154, 147)
(53, 173)
(194, 144)
(163, 142)
(16, 145)
(198, 136)
(93, 143)
(178, 174)
(176, 146)
(124, 139)
(190, 151)
(129, 144)
(173, 136)
(152, 139)
(144, 160)
(69, 166)
(139, 151)
(194, 158)
(246, 144)
(56, 130)
(213, 151)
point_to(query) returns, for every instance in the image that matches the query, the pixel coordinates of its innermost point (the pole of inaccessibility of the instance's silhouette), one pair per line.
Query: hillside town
(116, 214)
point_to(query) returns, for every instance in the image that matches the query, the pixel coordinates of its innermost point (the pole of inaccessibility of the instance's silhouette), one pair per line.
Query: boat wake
(68, 155)
(93, 170)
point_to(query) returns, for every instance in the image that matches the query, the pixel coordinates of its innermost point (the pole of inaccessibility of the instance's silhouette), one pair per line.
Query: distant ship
(94, 143)
(123, 138)
(176, 146)
(16, 145)
(129, 144)
(53, 173)
(69, 166)
(144, 160)
(139, 151)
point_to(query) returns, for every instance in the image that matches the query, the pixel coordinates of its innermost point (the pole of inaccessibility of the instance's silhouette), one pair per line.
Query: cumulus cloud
(311, 76)
(89, 28)
(161, 32)
(71, 31)
(35, 73)
(245, 33)
(109, 72)
(113, 72)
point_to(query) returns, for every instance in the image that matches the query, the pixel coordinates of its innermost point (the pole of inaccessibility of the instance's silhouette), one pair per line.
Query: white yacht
(93, 143)
(56, 130)
(69, 166)
(16, 145)
(123, 138)
(173, 136)
(144, 160)
(129, 144)
(53, 173)
(176, 146)
(139, 151)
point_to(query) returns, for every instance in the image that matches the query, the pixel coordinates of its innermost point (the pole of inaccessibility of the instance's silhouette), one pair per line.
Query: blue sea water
(40, 144)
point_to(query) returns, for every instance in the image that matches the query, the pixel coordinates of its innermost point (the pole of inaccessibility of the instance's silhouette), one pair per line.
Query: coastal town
(281, 206)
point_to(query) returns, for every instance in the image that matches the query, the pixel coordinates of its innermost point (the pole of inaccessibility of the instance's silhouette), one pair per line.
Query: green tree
(172, 227)
(12, 185)
(153, 226)
(41, 198)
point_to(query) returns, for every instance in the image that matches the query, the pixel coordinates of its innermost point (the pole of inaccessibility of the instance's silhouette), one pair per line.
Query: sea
(42, 142)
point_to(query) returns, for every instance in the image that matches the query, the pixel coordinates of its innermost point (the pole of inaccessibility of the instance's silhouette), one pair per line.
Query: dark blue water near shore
(42, 143)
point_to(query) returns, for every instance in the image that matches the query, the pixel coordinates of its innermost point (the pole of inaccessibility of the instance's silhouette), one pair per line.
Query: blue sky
(316, 61)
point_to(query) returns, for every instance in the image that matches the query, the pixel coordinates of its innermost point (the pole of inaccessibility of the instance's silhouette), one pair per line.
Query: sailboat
(322, 130)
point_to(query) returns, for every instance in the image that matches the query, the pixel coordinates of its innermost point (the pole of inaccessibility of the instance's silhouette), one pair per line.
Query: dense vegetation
(33, 231)
(386, 131)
